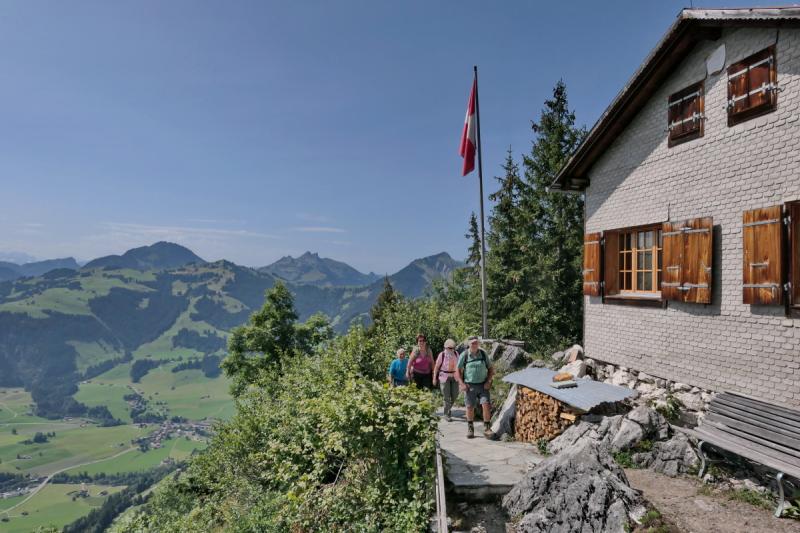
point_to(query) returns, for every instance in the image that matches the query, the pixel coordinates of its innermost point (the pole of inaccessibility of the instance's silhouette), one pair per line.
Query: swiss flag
(468, 137)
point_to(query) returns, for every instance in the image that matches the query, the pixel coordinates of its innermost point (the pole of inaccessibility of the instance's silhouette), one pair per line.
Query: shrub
(317, 446)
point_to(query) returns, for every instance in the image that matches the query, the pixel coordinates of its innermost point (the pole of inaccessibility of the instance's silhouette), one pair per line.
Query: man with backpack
(474, 373)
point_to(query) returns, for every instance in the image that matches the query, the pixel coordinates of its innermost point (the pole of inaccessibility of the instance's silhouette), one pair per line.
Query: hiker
(397, 370)
(420, 365)
(474, 373)
(444, 373)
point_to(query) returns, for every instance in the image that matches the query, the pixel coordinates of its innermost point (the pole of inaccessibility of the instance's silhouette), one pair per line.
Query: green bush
(319, 447)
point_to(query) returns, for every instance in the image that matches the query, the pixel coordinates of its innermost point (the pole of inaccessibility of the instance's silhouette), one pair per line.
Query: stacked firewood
(540, 416)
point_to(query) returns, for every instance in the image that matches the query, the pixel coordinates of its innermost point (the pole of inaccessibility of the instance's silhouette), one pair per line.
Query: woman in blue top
(397, 370)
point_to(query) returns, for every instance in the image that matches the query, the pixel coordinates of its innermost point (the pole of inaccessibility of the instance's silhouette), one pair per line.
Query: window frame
(736, 69)
(681, 98)
(654, 272)
(638, 298)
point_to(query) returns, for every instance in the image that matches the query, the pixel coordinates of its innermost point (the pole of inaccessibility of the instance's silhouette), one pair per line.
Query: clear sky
(252, 130)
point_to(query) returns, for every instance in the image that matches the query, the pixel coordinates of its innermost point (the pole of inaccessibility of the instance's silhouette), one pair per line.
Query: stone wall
(754, 350)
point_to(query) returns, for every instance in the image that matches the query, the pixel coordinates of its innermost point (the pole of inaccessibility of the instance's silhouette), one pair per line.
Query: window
(752, 86)
(685, 116)
(640, 261)
(653, 264)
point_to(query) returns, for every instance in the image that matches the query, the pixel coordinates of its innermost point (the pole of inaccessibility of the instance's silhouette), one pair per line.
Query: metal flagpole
(483, 232)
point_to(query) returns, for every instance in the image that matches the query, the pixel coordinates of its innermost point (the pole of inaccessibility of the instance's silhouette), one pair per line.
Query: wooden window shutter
(591, 264)
(685, 114)
(762, 250)
(687, 259)
(794, 250)
(672, 260)
(611, 263)
(752, 86)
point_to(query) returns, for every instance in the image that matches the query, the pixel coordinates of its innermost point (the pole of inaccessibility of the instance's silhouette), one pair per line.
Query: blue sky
(253, 130)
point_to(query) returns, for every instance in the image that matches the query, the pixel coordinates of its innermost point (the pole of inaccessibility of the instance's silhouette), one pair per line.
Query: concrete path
(479, 468)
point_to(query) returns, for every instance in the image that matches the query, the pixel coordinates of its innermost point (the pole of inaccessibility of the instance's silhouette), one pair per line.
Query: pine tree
(504, 262)
(552, 241)
(473, 235)
(387, 300)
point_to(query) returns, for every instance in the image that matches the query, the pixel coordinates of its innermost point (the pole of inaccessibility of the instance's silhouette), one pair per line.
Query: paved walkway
(480, 468)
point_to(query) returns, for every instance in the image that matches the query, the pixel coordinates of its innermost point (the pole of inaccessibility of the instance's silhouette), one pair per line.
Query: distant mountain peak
(12, 271)
(311, 269)
(161, 255)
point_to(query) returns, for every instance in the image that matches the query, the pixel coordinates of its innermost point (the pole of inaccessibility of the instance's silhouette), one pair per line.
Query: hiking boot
(487, 432)
(448, 417)
(470, 431)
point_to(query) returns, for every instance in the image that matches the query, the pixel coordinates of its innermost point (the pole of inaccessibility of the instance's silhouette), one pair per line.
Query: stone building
(692, 217)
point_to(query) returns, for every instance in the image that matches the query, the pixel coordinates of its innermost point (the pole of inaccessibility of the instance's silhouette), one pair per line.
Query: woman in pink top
(420, 365)
(445, 374)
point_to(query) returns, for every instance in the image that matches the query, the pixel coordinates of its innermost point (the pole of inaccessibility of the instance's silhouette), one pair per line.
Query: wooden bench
(764, 433)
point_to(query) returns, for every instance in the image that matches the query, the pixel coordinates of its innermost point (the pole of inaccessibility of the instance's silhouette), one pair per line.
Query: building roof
(691, 27)
(585, 396)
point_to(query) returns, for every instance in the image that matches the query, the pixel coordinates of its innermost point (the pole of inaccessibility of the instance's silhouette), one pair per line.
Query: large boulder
(672, 457)
(496, 351)
(514, 357)
(576, 368)
(573, 354)
(504, 420)
(615, 433)
(580, 489)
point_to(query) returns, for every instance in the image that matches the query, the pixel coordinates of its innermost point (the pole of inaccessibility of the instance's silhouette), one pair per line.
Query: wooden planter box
(540, 416)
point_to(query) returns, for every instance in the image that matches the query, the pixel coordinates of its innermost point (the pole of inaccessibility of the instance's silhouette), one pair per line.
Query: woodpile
(540, 416)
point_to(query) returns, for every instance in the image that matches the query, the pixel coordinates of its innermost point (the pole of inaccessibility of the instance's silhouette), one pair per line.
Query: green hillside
(70, 326)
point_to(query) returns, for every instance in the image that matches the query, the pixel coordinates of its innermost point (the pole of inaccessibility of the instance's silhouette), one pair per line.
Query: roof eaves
(566, 180)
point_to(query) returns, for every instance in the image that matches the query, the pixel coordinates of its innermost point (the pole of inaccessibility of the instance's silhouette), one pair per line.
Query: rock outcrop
(580, 489)
(504, 420)
(672, 457)
(614, 433)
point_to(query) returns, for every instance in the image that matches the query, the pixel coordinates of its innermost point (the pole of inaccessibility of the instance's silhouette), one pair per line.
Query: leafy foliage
(319, 442)
(259, 347)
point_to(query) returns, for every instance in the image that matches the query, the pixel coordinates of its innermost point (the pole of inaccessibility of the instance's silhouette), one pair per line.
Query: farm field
(187, 393)
(70, 447)
(52, 506)
(138, 461)
(15, 404)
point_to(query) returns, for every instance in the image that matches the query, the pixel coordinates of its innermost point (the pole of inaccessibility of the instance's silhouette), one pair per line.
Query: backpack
(482, 359)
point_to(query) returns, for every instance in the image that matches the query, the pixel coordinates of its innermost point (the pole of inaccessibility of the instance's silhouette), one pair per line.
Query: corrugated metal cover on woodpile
(585, 396)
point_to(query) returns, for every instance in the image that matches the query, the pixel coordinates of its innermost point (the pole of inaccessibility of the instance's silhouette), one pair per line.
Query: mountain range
(311, 269)
(11, 271)
(163, 301)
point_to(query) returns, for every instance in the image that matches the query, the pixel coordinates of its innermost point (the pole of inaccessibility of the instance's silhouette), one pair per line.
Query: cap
(449, 343)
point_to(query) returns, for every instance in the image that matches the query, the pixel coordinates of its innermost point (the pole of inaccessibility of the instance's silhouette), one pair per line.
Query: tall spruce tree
(551, 243)
(387, 300)
(504, 261)
(473, 235)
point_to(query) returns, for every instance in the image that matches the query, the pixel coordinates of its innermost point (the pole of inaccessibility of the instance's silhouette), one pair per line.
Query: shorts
(476, 393)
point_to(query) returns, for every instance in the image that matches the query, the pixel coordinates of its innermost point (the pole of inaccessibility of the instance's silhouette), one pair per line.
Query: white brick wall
(639, 180)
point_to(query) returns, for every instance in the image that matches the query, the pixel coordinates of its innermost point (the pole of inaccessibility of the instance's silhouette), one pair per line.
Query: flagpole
(483, 232)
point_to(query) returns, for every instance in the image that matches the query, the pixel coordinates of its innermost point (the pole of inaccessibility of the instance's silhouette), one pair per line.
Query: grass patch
(54, 506)
(71, 446)
(624, 459)
(542, 445)
(752, 497)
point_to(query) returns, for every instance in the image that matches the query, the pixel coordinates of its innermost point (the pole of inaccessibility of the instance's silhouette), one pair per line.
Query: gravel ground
(691, 511)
